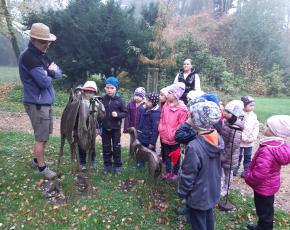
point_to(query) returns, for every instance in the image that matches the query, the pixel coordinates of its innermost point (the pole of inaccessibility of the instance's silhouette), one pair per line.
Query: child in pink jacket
(263, 174)
(173, 114)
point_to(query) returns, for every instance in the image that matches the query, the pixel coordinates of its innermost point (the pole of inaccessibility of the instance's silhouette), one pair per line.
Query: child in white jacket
(249, 135)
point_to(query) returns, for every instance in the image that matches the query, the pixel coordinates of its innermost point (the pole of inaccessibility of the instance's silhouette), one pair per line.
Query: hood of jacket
(212, 149)
(277, 148)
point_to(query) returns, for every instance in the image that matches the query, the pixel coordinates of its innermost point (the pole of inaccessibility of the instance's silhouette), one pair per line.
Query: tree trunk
(11, 33)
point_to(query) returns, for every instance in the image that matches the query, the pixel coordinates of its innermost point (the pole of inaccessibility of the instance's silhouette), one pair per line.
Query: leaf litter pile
(53, 191)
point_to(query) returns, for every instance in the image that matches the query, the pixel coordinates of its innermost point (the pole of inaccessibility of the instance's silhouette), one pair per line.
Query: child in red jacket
(263, 174)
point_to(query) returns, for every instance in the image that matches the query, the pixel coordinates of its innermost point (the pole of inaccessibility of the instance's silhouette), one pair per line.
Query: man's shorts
(41, 120)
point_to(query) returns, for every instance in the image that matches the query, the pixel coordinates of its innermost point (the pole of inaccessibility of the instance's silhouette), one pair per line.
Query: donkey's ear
(72, 96)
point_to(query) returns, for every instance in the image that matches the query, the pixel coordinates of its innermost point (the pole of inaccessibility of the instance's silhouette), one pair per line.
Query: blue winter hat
(211, 97)
(112, 80)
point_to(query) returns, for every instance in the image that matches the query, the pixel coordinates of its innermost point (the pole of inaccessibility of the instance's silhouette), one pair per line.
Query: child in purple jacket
(133, 108)
(263, 174)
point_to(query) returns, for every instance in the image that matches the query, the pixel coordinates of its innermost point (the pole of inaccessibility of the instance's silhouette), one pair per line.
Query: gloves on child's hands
(175, 155)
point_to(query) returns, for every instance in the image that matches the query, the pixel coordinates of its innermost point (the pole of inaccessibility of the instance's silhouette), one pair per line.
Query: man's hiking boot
(48, 174)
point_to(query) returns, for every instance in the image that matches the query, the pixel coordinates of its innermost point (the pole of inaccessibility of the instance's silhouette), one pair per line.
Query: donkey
(78, 126)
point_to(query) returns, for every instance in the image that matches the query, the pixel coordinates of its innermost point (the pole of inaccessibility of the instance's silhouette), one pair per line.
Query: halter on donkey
(78, 126)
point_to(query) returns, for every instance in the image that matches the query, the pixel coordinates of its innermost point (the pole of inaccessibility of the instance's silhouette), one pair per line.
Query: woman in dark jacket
(189, 77)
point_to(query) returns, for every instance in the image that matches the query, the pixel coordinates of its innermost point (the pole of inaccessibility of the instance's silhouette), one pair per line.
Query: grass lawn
(23, 206)
(268, 106)
(8, 74)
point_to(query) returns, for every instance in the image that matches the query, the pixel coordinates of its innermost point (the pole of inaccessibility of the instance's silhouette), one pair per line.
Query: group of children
(215, 140)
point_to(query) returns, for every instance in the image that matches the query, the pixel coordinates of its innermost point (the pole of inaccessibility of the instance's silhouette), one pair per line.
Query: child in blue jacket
(148, 123)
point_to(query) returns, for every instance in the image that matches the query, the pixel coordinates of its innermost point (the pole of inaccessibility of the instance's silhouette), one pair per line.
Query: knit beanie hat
(211, 97)
(194, 101)
(194, 94)
(165, 90)
(177, 89)
(247, 100)
(279, 125)
(79, 87)
(205, 114)
(154, 98)
(235, 107)
(140, 91)
(112, 80)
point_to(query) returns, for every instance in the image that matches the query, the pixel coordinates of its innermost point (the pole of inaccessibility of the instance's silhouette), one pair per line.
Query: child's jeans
(167, 150)
(225, 183)
(247, 153)
(201, 220)
(265, 211)
(83, 156)
(109, 138)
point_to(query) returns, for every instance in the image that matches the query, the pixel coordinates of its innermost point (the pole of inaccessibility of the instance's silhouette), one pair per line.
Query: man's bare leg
(38, 150)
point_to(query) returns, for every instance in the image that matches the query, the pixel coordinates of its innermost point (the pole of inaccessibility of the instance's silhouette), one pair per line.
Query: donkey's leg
(60, 154)
(89, 169)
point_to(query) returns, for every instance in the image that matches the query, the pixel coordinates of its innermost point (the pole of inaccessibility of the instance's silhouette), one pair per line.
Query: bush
(212, 70)
(274, 82)
(93, 38)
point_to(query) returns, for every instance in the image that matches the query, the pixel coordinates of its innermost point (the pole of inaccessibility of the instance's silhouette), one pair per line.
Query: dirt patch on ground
(21, 122)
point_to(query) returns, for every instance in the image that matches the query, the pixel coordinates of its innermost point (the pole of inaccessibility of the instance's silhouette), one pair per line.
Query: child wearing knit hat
(148, 123)
(111, 126)
(200, 177)
(163, 95)
(173, 114)
(249, 134)
(134, 108)
(231, 132)
(263, 174)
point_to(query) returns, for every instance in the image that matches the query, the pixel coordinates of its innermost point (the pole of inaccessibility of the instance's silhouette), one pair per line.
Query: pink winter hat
(177, 89)
(164, 91)
(140, 91)
(279, 125)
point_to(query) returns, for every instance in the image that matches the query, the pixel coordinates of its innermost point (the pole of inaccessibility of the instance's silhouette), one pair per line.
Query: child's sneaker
(181, 211)
(184, 218)
(235, 172)
(48, 174)
(107, 169)
(139, 165)
(118, 170)
(172, 177)
(252, 226)
(243, 175)
(165, 175)
(83, 167)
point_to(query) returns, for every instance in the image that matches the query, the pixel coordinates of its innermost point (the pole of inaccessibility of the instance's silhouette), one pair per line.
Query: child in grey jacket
(197, 184)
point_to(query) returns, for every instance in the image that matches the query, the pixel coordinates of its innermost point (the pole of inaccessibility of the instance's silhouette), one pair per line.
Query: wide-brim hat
(40, 31)
(90, 86)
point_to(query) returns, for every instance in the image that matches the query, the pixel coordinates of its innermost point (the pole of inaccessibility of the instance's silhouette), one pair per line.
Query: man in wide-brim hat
(36, 73)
